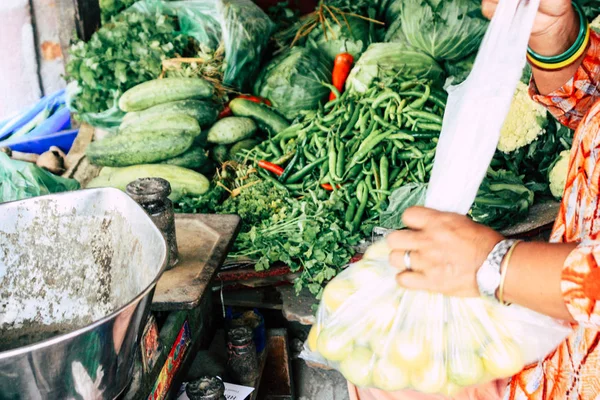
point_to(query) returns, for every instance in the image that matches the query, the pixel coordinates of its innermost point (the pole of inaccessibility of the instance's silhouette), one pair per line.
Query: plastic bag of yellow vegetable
(380, 335)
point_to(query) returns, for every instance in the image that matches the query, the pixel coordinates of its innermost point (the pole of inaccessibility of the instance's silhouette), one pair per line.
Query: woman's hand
(555, 30)
(446, 250)
(552, 15)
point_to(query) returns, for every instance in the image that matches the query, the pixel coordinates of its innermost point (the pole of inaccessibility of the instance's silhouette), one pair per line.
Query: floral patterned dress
(572, 371)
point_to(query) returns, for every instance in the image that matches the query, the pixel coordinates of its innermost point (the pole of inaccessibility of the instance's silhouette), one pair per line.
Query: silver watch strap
(488, 275)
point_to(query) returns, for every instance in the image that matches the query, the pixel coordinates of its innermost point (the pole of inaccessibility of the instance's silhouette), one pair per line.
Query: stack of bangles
(554, 63)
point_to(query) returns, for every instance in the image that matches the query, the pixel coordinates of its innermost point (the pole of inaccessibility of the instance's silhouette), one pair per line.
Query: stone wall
(31, 62)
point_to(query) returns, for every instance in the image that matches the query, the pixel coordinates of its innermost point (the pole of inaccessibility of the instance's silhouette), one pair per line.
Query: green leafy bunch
(308, 235)
(110, 8)
(123, 53)
(502, 198)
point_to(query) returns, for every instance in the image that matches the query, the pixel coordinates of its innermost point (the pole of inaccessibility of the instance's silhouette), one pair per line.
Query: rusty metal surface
(203, 241)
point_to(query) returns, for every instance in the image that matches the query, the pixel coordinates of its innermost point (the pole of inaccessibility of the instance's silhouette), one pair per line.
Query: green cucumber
(183, 181)
(231, 129)
(194, 158)
(158, 123)
(220, 153)
(266, 116)
(160, 91)
(246, 144)
(138, 148)
(203, 111)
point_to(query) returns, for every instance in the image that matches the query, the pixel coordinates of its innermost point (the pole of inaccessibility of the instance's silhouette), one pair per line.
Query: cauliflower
(525, 122)
(595, 25)
(558, 174)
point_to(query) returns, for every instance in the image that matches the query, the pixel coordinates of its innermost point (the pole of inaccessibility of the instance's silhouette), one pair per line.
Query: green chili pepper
(265, 175)
(352, 123)
(386, 95)
(306, 170)
(363, 197)
(274, 149)
(419, 103)
(350, 211)
(332, 159)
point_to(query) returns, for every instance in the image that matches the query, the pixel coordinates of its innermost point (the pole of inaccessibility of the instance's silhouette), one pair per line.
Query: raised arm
(568, 92)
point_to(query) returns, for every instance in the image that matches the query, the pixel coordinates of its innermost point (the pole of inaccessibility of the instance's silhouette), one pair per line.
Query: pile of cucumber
(171, 131)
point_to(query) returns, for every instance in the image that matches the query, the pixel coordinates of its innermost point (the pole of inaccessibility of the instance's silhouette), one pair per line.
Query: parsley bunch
(123, 53)
(110, 8)
(308, 235)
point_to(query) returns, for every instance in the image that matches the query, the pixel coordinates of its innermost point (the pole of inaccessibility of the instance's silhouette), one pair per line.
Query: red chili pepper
(341, 69)
(269, 166)
(226, 112)
(255, 99)
(327, 186)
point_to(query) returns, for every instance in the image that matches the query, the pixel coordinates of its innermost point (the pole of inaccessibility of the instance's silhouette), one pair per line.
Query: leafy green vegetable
(444, 29)
(591, 8)
(123, 53)
(307, 235)
(293, 81)
(400, 200)
(458, 71)
(501, 199)
(535, 160)
(349, 35)
(110, 8)
(21, 180)
(383, 60)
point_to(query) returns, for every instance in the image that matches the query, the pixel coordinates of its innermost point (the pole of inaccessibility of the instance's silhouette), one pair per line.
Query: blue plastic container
(37, 145)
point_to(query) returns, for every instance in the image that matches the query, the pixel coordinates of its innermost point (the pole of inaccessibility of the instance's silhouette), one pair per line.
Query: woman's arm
(570, 92)
(534, 276)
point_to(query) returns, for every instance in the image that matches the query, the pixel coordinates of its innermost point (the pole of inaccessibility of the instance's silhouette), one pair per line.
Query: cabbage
(458, 71)
(446, 30)
(293, 81)
(391, 58)
(352, 37)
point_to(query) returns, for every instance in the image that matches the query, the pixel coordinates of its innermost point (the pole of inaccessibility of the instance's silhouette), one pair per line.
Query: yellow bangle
(504, 269)
(569, 61)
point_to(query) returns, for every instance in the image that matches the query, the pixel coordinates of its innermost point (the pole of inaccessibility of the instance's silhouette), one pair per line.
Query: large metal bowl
(77, 274)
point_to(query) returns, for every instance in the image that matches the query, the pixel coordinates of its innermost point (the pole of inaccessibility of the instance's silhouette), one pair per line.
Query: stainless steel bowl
(77, 275)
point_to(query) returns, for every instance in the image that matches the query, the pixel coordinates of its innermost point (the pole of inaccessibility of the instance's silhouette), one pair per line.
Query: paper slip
(232, 392)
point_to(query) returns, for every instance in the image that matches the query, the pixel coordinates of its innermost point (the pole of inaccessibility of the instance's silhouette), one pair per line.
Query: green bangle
(583, 25)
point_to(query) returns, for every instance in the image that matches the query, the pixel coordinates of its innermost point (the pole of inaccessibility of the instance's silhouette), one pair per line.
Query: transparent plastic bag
(21, 180)
(240, 25)
(382, 336)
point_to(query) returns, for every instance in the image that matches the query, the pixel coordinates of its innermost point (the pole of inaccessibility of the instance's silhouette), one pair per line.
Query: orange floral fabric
(573, 370)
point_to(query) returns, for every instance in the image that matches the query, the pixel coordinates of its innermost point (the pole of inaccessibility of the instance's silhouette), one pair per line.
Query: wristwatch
(489, 275)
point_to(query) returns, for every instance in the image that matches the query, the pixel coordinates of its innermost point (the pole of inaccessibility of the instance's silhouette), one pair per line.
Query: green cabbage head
(444, 29)
(293, 81)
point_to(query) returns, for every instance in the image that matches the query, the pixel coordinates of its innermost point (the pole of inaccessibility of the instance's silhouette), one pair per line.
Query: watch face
(488, 279)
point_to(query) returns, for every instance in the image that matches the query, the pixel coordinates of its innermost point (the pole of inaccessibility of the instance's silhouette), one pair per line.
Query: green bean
(370, 129)
(398, 183)
(419, 103)
(425, 134)
(386, 95)
(416, 152)
(394, 174)
(384, 170)
(341, 158)
(332, 159)
(265, 175)
(382, 122)
(363, 197)
(425, 115)
(421, 171)
(376, 175)
(438, 99)
(331, 116)
(324, 172)
(408, 85)
(321, 127)
(284, 158)
(405, 155)
(398, 135)
(350, 211)
(309, 156)
(288, 170)
(274, 149)
(366, 147)
(430, 127)
(306, 170)
(282, 144)
(352, 123)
